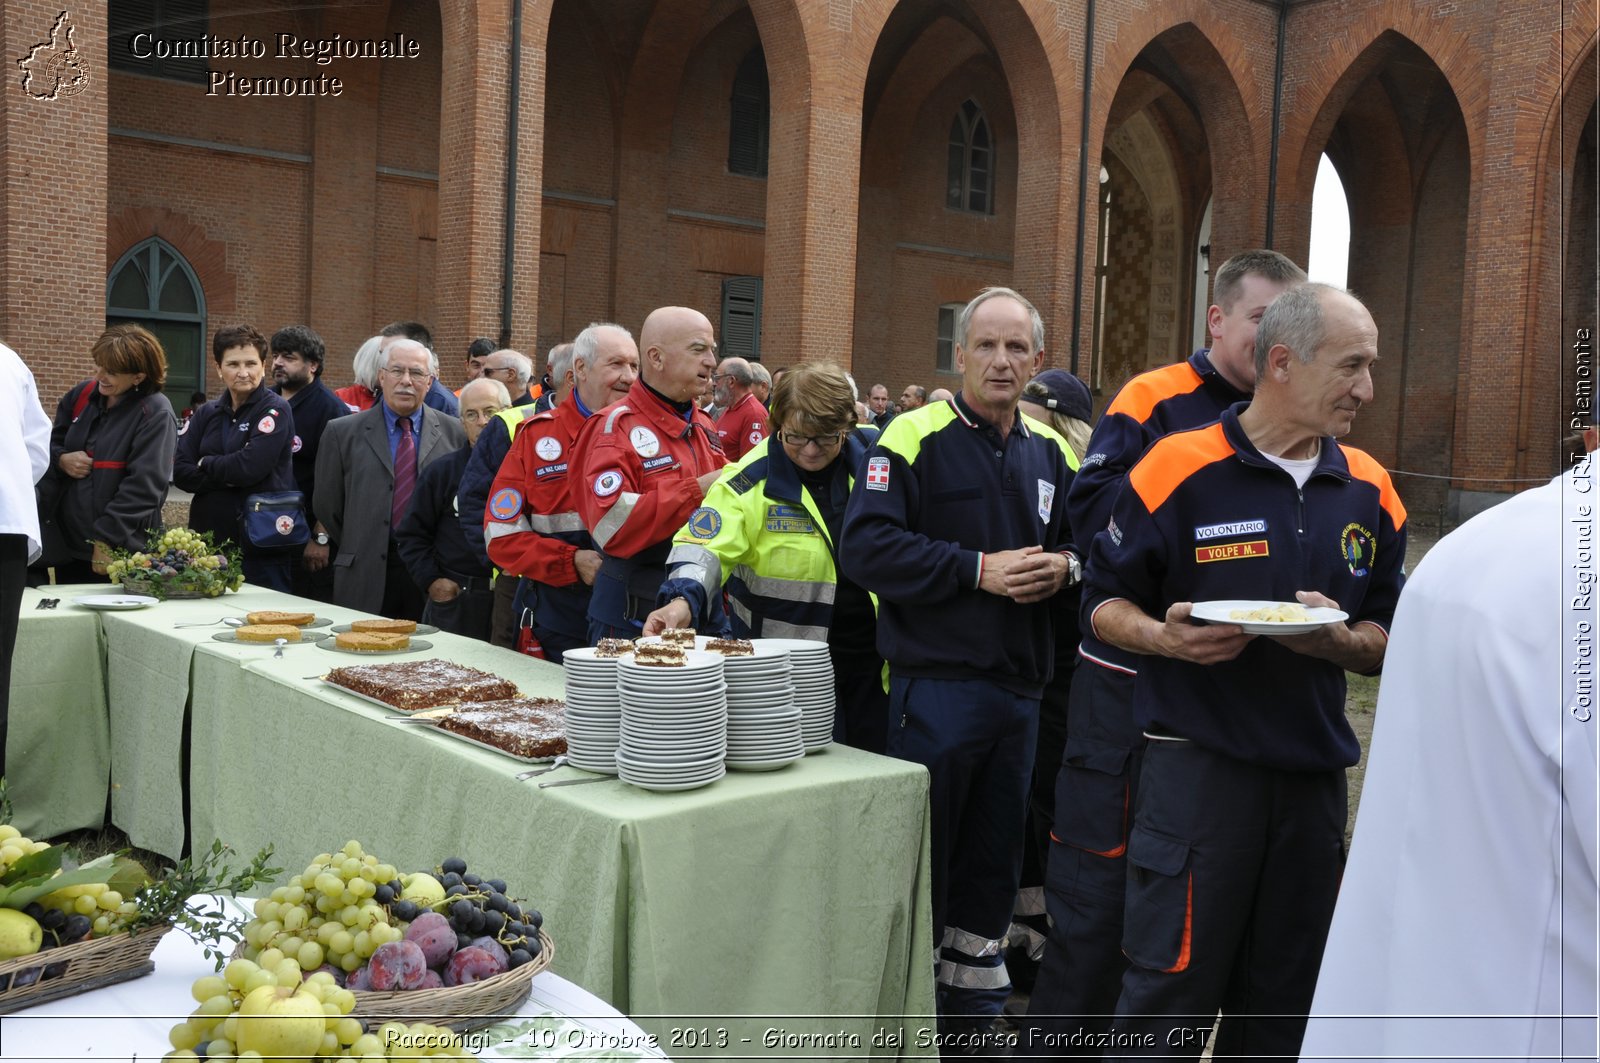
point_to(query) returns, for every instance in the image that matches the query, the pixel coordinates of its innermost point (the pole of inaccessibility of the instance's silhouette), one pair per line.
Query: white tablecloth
(130, 1020)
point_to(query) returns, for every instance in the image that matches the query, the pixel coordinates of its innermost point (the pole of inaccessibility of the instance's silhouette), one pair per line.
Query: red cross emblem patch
(878, 474)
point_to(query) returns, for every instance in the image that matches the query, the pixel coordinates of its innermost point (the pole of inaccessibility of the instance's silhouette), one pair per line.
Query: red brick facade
(1464, 135)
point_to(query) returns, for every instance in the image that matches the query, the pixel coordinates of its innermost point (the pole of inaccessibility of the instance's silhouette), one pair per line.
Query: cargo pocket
(1158, 927)
(1092, 797)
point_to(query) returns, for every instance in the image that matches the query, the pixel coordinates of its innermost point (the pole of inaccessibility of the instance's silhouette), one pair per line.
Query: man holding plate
(1237, 841)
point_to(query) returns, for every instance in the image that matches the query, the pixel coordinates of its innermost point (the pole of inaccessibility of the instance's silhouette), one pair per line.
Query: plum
(360, 980)
(431, 980)
(432, 934)
(472, 965)
(337, 972)
(397, 965)
(490, 945)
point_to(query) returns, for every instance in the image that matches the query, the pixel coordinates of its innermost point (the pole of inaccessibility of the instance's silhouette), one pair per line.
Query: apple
(281, 1022)
(21, 935)
(422, 888)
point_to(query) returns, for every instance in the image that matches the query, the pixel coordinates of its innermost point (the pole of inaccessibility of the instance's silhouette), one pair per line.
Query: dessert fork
(559, 762)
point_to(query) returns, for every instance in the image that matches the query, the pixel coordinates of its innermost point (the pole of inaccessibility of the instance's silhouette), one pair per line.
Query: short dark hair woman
(236, 446)
(110, 458)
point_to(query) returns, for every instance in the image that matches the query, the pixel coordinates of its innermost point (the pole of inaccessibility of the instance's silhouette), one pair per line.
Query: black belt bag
(276, 521)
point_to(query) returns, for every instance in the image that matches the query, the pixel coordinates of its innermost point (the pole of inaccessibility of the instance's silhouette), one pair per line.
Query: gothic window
(971, 162)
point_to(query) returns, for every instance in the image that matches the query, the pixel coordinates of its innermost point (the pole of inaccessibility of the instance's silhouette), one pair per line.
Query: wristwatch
(322, 538)
(1074, 568)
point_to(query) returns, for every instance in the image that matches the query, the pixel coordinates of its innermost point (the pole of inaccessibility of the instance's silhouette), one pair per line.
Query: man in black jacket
(430, 539)
(297, 354)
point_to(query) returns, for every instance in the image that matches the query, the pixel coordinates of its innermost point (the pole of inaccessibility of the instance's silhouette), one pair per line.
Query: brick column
(53, 187)
(472, 167)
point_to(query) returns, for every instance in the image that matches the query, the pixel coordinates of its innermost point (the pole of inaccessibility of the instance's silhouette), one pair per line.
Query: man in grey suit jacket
(356, 480)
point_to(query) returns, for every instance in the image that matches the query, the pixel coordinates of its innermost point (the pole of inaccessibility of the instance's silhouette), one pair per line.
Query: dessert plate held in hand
(1268, 618)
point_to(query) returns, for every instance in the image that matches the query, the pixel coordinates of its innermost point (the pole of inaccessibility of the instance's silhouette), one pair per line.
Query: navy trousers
(976, 740)
(1096, 788)
(1233, 872)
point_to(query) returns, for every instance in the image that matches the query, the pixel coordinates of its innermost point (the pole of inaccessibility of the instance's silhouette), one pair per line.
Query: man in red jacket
(530, 525)
(643, 465)
(744, 421)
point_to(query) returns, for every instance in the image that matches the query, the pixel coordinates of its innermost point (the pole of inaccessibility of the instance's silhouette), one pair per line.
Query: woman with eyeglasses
(767, 538)
(236, 446)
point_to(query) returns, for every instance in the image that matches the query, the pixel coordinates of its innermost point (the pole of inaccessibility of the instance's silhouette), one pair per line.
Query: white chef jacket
(24, 450)
(1466, 922)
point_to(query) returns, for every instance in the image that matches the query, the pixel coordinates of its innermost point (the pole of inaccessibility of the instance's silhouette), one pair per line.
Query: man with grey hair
(913, 397)
(1238, 826)
(513, 369)
(941, 395)
(430, 539)
(367, 470)
(531, 526)
(958, 524)
(1097, 776)
(558, 379)
(763, 382)
(743, 423)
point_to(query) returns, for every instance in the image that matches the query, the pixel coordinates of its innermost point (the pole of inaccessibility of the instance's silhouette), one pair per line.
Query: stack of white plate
(763, 724)
(594, 710)
(811, 673)
(674, 723)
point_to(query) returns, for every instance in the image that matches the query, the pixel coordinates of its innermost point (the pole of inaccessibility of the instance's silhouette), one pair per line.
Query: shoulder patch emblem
(877, 474)
(266, 425)
(644, 441)
(704, 523)
(506, 504)
(1358, 547)
(295, 447)
(548, 448)
(608, 483)
(182, 428)
(756, 436)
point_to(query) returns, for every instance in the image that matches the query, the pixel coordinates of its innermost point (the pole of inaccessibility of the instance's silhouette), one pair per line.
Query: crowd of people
(1149, 811)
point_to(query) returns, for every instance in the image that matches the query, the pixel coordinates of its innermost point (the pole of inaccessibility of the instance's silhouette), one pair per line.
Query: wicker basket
(170, 588)
(77, 968)
(462, 1007)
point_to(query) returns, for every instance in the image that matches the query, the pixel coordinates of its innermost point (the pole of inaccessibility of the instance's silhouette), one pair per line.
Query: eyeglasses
(406, 373)
(799, 442)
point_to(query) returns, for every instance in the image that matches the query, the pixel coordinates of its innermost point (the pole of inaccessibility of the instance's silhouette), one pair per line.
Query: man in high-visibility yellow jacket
(767, 535)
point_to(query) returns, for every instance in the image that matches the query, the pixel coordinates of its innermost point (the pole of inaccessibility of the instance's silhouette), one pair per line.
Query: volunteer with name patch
(643, 465)
(236, 446)
(532, 527)
(768, 535)
(959, 527)
(1098, 781)
(1237, 841)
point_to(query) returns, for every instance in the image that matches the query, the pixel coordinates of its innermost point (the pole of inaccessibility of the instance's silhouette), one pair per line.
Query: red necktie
(405, 474)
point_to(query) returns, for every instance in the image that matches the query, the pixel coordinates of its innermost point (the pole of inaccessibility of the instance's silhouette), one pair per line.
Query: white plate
(114, 601)
(331, 644)
(666, 787)
(760, 764)
(1221, 611)
(422, 629)
(585, 655)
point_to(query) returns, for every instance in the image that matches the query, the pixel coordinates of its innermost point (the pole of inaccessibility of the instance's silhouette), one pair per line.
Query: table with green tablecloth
(781, 913)
(58, 760)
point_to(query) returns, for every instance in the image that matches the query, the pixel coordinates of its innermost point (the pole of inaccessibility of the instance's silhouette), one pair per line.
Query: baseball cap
(1064, 393)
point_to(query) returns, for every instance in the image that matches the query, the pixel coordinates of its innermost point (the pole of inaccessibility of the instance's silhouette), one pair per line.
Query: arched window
(152, 285)
(749, 117)
(971, 185)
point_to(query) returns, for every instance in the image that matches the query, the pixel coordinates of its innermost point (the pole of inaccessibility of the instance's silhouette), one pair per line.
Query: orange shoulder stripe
(1173, 459)
(1364, 467)
(1141, 394)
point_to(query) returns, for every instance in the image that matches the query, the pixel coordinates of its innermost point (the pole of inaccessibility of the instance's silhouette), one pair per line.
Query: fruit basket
(461, 1008)
(77, 968)
(178, 563)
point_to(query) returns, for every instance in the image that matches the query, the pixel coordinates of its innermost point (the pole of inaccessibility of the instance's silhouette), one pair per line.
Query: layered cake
(524, 727)
(732, 647)
(613, 647)
(660, 655)
(413, 685)
(276, 616)
(266, 632)
(370, 641)
(392, 627)
(679, 636)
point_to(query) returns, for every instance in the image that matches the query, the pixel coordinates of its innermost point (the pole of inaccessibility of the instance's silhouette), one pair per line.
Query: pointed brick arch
(208, 258)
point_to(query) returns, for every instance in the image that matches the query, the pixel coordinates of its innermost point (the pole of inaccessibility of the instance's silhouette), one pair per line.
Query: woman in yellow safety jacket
(766, 539)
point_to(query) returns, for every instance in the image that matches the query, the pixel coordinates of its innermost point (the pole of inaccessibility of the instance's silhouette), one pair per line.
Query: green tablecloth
(58, 760)
(781, 913)
(775, 896)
